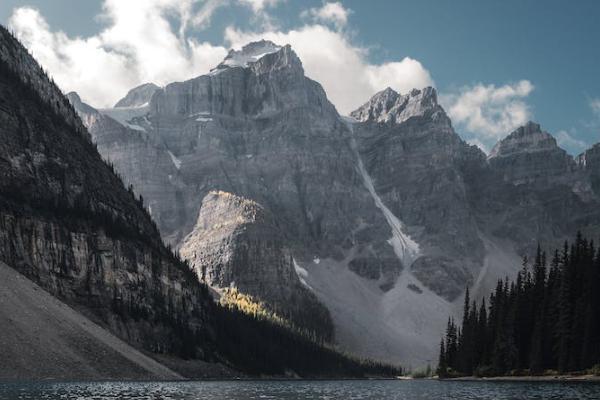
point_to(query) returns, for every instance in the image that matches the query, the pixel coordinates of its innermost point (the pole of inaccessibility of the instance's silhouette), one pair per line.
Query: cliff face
(264, 131)
(530, 156)
(144, 162)
(589, 163)
(236, 243)
(417, 164)
(68, 223)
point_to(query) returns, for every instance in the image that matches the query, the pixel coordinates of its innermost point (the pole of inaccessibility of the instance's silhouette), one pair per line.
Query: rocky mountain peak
(530, 155)
(390, 106)
(525, 139)
(236, 243)
(83, 109)
(250, 54)
(138, 96)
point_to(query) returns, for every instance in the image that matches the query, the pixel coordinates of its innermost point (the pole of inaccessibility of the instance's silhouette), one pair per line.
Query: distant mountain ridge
(388, 214)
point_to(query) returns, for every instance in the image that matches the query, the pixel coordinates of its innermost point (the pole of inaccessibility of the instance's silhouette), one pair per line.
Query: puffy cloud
(595, 106)
(138, 45)
(150, 41)
(342, 68)
(592, 124)
(489, 112)
(568, 141)
(202, 17)
(259, 5)
(334, 13)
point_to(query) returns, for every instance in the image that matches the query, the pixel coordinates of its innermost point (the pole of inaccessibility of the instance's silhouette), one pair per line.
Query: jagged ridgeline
(68, 223)
(546, 321)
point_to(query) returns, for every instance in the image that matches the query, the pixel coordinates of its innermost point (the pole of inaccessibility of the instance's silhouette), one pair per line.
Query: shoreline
(528, 378)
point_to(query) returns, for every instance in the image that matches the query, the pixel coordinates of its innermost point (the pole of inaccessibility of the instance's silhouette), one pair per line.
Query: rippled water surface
(330, 390)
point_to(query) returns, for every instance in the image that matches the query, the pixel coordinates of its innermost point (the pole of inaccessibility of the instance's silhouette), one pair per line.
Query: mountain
(386, 215)
(68, 223)
(70, 226)
(390, 106)
(138, 96)
(530, 155)
(144, 162)
(236, 243)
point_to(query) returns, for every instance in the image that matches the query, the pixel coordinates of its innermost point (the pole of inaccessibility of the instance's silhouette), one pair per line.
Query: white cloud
(595, 106)
(487, 112)
(567, 141)
(203, 16)
(138, 45)
(149, 41)
(334, 13)
(342, 68)
(259, 5)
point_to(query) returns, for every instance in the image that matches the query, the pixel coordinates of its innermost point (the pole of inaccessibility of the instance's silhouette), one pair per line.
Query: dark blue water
(325, 390)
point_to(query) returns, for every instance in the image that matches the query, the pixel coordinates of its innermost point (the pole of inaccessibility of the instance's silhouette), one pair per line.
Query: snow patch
(176, 161)
(250, 53)
(135, 127)
(406, 249)
(301, 273)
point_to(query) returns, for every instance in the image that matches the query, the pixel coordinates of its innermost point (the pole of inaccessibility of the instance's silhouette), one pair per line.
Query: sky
(495, 64)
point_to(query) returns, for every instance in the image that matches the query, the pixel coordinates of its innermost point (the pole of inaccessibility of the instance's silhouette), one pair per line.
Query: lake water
(301, 390)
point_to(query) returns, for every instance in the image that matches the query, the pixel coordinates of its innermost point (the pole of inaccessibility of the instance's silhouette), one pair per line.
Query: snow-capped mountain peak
(250, 53)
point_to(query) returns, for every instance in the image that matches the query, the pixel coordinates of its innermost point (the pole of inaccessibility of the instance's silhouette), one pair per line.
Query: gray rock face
(236, 243)
(529, 155)
(417, 163)
(138, 96)
(267, 133)
(144, 162)
(389, 106)
(589, 163)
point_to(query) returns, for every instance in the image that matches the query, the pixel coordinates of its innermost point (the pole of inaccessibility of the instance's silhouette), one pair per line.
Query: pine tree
(442, 370)
(549, 318)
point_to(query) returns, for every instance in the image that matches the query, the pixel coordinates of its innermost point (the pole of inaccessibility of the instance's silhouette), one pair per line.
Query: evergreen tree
(549, 318)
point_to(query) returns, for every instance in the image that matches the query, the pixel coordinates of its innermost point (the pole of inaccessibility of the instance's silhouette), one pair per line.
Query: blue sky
(494, 63)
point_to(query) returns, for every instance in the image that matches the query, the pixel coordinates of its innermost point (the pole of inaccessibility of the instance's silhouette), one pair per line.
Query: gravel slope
(43, 338)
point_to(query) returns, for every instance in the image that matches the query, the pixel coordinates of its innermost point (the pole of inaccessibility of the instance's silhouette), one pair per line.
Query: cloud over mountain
(157, 41)
(488, 112)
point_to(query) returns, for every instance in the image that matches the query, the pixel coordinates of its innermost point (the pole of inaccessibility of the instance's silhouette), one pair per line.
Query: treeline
(547, 320)
(259, 346)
